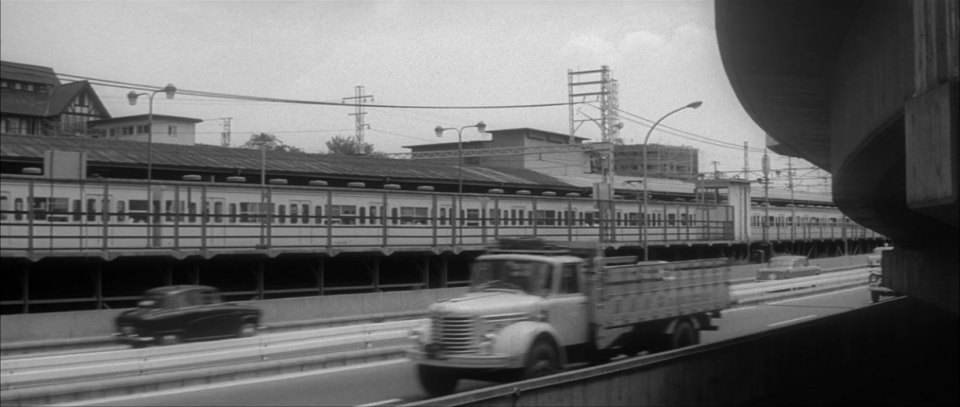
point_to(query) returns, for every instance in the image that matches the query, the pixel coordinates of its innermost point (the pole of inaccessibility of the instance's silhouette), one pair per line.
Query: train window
(121, 211)
(18, 209)
(4, 206)
(410, 215)
(77, 210)
(318, 215)
(513, 217)
(52, 209)
(218, 211)
(362, 215)
(281, 214)
(545, 217)
(140, 207)
(393, 216)
(91, 210)
(233, 213)
(251, 212)
(374, 219)
(343, 214)
(168, 211)
(473, 217)
(443, 216)
(305, 213)
(632, 219)
(294, 216)
(493, 217)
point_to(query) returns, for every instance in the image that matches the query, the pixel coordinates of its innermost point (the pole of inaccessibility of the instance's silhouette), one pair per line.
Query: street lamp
(481, 127)
(170, 90)
(693, 105)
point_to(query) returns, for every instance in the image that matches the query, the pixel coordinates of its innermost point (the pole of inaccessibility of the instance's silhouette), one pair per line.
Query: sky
(451, 53)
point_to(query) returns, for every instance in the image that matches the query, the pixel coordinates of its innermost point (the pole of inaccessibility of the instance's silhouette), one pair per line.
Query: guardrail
(52, 379)
(795, 287)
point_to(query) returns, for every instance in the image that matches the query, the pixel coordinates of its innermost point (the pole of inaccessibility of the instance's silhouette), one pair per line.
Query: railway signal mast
(359, 100)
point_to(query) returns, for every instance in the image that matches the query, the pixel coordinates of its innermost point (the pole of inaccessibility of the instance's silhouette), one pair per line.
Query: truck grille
(455, 333)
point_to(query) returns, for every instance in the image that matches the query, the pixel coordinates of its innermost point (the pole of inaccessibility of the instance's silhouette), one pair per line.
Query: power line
(128, 85)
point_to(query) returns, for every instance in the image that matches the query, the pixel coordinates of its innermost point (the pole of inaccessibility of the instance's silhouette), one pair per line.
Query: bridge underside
(869, 91)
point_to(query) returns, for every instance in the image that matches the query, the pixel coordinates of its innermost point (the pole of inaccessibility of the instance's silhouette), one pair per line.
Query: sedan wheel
(247, 330)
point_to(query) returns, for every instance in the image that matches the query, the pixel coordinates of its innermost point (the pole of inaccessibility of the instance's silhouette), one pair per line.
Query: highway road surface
(395, 382)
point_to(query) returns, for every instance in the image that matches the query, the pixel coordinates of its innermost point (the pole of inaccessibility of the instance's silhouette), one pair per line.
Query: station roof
(124, 153)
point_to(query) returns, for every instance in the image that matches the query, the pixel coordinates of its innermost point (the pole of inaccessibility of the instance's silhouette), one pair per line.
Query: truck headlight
(419, 335)
(485, 344)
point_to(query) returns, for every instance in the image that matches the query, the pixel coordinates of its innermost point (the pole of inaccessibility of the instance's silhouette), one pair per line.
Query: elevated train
(42, 216)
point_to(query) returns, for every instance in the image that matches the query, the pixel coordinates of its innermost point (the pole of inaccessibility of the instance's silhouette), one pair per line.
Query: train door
(300, 219)
(214, 212)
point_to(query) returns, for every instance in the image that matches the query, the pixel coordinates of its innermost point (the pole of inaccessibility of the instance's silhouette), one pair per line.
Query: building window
(172, 131)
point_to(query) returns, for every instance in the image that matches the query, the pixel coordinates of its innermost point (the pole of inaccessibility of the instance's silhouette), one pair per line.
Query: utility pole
(225, 133)
(359, 113)
(793, 205)
(766, 200)
(606, 96)
(716, 172)
(746, 161)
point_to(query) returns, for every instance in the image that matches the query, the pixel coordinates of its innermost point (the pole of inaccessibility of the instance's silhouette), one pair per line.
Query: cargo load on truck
(534, 307)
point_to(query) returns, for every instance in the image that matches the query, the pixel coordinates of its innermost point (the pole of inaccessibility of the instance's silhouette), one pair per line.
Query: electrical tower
(359, 100)
(225, 132)
(603, 91)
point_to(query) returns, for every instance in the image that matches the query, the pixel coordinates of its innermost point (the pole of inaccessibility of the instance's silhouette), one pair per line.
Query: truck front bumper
(464, 361)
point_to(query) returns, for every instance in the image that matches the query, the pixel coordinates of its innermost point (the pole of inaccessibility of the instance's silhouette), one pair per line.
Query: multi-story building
(166, 129)
(34, 102)
(571, 162)
(662, 161)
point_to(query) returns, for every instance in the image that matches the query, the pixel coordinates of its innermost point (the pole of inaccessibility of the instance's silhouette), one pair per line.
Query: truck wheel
(684, 335)
(437, 381)
(542, 361)
(170, 339)
(247, 330)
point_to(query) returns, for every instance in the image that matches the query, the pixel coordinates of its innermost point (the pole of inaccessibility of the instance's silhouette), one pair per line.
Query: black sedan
(179, 313)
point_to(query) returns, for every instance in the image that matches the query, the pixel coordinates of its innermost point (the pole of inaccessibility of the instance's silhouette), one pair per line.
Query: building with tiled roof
(117, 158)
(34, 102)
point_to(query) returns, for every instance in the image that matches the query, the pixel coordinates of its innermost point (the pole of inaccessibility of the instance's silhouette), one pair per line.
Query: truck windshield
(532, 277)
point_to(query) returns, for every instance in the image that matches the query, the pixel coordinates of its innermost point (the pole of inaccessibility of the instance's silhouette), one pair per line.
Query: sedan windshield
(532, 277)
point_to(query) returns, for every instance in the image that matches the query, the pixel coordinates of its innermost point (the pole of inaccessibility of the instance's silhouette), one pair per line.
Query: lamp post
(481, 127)
(170, 90)
(693, 105)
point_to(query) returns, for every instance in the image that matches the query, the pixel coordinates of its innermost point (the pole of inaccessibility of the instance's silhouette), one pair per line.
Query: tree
(344, 145)
(270, 142)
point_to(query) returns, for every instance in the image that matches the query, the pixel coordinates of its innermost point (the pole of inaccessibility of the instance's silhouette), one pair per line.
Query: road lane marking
(378, 403)
(245, 382)
(792, 320)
